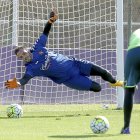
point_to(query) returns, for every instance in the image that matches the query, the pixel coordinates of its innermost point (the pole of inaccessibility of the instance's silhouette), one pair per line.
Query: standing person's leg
(132, 78)
(128, 106)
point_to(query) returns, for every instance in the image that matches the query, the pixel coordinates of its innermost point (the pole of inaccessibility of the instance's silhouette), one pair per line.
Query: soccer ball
(14, 111)
(99, 125)
(105, 106)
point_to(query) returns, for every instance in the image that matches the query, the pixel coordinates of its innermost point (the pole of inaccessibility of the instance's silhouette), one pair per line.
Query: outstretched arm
(53, 17)
(41, 41)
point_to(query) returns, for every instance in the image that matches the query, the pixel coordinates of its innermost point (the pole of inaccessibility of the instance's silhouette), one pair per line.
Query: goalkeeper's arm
(13, 83)
(53, 17)
(24, 80)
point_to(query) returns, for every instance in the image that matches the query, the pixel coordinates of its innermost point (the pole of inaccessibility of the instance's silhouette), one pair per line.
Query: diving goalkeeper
(61, 69)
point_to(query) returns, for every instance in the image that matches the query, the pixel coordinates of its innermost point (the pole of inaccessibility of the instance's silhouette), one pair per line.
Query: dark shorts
(81, 81)
(132, 67)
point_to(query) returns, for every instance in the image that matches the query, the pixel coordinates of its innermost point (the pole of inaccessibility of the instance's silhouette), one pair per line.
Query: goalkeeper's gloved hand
(12, 83)
(53, 17)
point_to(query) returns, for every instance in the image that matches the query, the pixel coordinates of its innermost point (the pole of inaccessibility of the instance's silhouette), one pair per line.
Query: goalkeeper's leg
(99, 71)
(105, 74)
(81, 82)
(95, 87)
(89, 69)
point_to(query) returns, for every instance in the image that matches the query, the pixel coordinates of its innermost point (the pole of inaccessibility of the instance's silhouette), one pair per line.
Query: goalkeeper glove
(53, 17)
(12, 83)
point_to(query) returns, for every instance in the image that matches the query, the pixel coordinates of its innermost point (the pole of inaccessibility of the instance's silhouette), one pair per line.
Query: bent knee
(95, 87)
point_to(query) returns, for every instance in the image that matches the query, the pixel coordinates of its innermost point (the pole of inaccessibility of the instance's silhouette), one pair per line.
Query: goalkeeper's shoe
(117, 84)
(125, 130)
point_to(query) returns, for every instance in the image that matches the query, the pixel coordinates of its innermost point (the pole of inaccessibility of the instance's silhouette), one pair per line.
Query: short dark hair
(18, 49)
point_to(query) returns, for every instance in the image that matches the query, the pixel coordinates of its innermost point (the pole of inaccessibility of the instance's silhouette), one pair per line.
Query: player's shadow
(58, 117)
(53, 116)
(3, 118)
(83, 136)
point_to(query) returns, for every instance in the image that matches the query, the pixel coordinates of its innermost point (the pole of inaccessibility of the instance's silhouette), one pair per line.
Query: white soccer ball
(14, 111)
(105, 106)
(99, 125)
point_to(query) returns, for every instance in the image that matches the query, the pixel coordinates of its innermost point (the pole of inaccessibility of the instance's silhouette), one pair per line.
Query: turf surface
(65, 122)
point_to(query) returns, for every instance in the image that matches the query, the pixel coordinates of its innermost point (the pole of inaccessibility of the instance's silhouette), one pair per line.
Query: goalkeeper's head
(24, 54)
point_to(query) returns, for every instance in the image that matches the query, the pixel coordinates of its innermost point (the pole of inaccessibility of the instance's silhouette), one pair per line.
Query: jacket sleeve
(24, 80)
(47, 28)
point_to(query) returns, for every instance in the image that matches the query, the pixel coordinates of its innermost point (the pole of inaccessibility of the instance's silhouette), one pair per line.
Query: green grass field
(65, 122)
